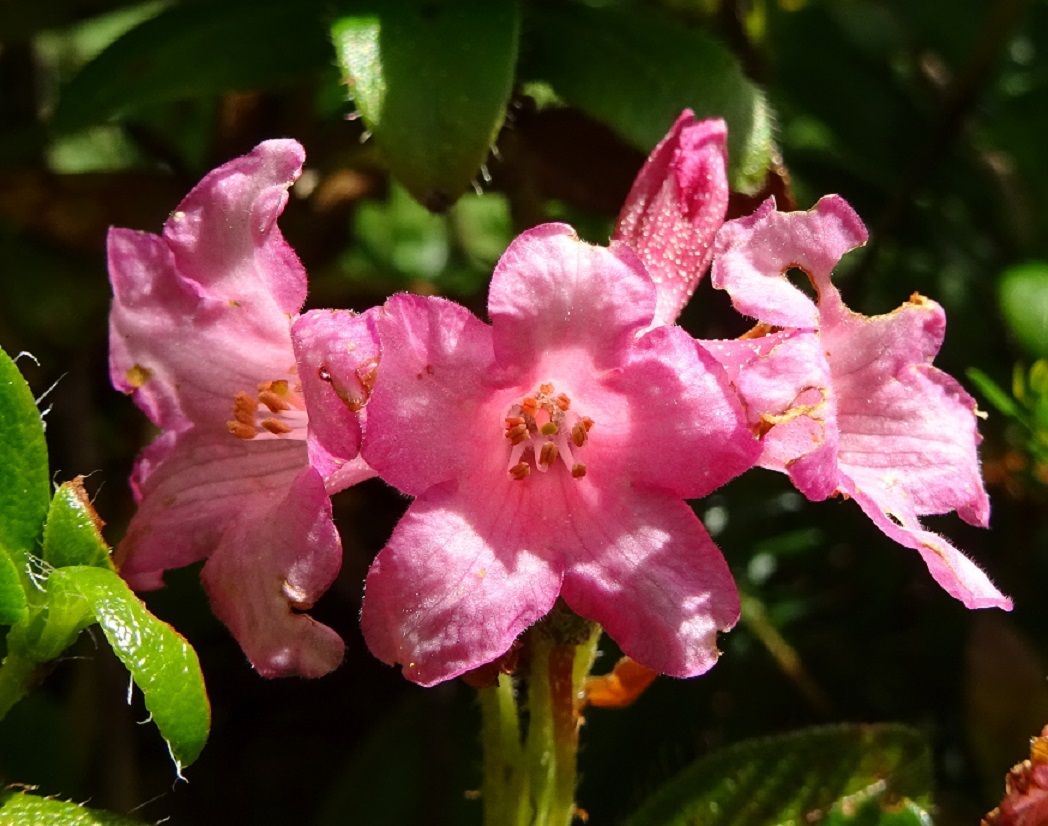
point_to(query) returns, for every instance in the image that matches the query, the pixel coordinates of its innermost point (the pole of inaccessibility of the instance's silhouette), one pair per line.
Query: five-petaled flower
(851, 404)
(549, 454)
(200, 335)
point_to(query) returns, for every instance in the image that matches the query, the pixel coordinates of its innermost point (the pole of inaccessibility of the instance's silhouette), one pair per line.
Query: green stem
(505, 803)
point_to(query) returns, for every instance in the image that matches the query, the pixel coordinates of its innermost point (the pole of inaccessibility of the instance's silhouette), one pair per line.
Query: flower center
(545, 425)
(279, 405)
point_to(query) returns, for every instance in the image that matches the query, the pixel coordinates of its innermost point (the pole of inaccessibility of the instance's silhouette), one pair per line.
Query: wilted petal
(460, 579)
(752, 256)
(270, 566)
(675, 207)
(645, 568)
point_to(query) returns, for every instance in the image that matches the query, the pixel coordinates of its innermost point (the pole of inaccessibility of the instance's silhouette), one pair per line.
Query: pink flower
(548, 453)
(851, 404)
(675, 207)
(200, 335)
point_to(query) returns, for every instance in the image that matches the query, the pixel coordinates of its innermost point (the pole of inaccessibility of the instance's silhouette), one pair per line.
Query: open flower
(200, 335)
(851, 404)
(548, 453)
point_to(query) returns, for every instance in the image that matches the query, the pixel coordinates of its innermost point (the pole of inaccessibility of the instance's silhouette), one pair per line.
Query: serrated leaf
(1023, 294)
(24, 483)
(791, 779)
(635, 71)
(21, 809)
(163, 665)
(431, 81)
(196, 50)
(73, 531)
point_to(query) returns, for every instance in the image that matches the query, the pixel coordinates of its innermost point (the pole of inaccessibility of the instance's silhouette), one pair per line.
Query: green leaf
(24, 483)
(163, 665)
(20, 809)
(636, 71)
(994, 394)
(72, 534)
(195, 50)
(791, 779)
(1023, 293)
(431, 81)
(878, 812)
(12, 594)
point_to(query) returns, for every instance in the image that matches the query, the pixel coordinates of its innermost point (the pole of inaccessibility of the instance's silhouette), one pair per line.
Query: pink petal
(192, 486)
(337, 356)
(430, 414)
(784, 382)
(459, 580)
(272, 564)
(645, 569)
(224, 234)
(752, 256)
(905, 426)
(553, 293)
(959, 576)
(680, 406)
(676, 205)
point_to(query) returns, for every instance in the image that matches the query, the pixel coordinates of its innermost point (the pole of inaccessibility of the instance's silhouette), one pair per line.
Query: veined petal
(552, 292)
(905, 426)
(270, 566)
(675, 207)
(685, 430)
(959, 576)
(192, 486)
(224, 234)
(337, 355)
(752, 256)
(459, 580)
(429, 416)
(645, 568)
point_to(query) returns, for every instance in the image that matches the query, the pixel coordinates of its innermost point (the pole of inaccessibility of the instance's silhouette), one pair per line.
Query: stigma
(543, 428)
(276, 409)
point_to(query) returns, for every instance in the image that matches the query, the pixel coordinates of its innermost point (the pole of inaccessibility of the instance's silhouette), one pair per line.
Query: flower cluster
(549, 452)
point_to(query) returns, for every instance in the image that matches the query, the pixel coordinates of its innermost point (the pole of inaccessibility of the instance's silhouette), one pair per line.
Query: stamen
(578, 434)
(241, 430)
(276, 427)
(549, 429)
(244, 408)
(563, 402)
(578, 470)
(520, 471)
(548, 454)
(517, 434)
(586, 422)
(529, 406)
(273, 401)
(545, 389)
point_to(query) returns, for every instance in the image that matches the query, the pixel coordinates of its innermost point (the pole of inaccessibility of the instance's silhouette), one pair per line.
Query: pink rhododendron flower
(675, 207)
(548, 453)
(200, 335)
(853, 403)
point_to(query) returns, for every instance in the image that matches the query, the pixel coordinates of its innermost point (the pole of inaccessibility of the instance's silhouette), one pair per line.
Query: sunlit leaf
(72, 535)
(794, 778)
(21, 809)
(431, 81)
(636, 71)
(163, 665)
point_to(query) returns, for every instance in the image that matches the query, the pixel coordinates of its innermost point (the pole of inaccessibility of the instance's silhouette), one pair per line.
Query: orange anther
(549, 453)
(273, 401)
(563, 402)
(578, 434)
(517, 433)
(529, 406)
(276, 427)
(244, 409)
(586, 422)
(513, 421)
(578, 470)
(242, 430)
(546, 389)
(520, 471)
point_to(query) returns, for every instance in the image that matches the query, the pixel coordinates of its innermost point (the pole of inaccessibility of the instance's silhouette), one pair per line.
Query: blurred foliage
(930, 120)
